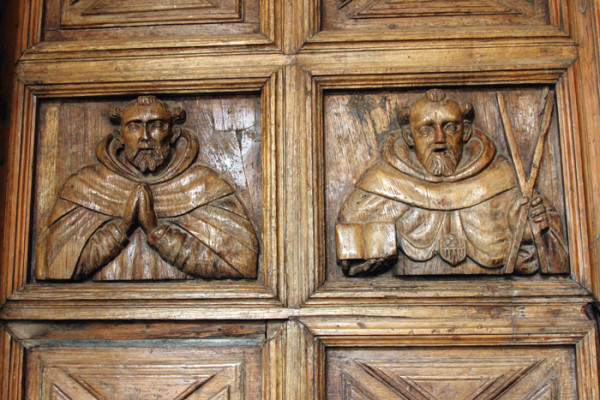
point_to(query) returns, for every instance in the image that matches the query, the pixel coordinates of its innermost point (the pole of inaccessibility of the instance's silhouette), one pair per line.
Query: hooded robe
(440, 225)
(203, 230)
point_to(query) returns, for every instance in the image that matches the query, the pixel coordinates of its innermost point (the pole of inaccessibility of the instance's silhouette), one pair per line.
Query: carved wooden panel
(175, 373)
(103, 19)
(353, 14)
(457, 373)
(93, 13)
(373, 211)
(85, 184)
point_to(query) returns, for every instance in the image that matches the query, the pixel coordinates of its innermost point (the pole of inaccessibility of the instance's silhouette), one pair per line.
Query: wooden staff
(526, 185)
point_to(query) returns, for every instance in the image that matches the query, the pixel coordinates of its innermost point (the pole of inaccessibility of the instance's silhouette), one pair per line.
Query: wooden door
(284, 232)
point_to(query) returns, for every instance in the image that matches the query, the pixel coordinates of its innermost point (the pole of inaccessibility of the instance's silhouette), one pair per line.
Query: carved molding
(464, 374)
(132, 373)
(365, 9)
(107, 13)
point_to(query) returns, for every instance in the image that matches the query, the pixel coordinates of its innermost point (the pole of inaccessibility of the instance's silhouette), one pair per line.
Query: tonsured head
(437, 128)
(147, 131)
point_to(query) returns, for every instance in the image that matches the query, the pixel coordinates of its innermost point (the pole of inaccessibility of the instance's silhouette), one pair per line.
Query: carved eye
(159, 125)
(450, 127)
(133, 126)
(425, 130)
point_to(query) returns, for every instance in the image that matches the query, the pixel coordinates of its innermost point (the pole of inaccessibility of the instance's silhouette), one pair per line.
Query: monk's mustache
(146, 144)
(146, 151)
(438, 148)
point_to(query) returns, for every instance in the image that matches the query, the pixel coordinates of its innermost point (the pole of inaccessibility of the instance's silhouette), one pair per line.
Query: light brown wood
(73, 372)
(526, 185)
(321, 83)
(358, 130)
(100, 13)
(32, 332)
(511, 373)
(222, 184)
(581, 86)
(76, 20)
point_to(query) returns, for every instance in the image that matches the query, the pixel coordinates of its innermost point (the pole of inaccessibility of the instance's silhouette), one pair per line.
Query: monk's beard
(147, 159)
(442, 163)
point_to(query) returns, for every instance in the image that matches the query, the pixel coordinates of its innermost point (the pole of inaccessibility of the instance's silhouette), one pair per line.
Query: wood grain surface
(403, 14)
(291, 101)
(228, 130)
(356, 125)
(136, 373)
(98, 19)
(510, 373)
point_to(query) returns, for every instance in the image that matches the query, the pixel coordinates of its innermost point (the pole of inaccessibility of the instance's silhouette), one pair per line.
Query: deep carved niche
(443, 183)
(157, 197)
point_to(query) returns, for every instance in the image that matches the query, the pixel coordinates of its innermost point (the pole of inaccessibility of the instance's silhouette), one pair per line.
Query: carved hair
(437, 96)
(177, 114)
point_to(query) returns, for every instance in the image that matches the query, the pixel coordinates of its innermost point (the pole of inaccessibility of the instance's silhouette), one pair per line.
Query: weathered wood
(146, 233)
(32, 332)
(581, 98)
(403, 14)
(142, 372)
(526, 185)
(512, 373)
(98, 19)
(322, 82)
(358, 127)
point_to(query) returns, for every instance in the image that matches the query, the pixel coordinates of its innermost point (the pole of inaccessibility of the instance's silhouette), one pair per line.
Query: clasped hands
(139, 211)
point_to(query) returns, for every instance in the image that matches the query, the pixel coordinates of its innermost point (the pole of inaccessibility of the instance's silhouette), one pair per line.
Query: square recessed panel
(457, 373)
(105, 13)
(403, 15)
(107, 19)
(132, 373)
(422, 226)
(80, 169)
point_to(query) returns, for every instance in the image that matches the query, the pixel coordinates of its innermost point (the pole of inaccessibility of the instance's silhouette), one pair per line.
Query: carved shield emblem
(452, 249)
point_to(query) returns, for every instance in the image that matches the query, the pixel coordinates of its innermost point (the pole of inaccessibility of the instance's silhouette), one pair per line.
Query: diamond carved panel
(461, 374)
(413, 8)
(106, 13)
(441, 14)
(140, 373)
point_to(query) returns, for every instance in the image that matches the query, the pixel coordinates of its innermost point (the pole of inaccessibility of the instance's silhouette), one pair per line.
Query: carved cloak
(397, 204)
(192, 197)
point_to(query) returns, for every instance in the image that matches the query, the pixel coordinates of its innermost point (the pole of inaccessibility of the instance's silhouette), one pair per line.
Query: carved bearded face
(437, 134)
(146, 135)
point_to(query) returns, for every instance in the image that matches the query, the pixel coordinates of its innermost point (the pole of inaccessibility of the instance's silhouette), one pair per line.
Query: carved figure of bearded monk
(442, 201)
(146, 195)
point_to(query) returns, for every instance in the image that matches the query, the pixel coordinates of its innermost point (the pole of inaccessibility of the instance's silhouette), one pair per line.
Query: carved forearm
(188, 254)
(102, 247)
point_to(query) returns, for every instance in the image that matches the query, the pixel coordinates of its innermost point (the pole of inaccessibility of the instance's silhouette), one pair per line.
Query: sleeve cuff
(155, 236)
(119, 237)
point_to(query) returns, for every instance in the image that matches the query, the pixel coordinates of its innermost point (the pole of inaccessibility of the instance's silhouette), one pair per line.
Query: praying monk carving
(442, 201)
(146, 183)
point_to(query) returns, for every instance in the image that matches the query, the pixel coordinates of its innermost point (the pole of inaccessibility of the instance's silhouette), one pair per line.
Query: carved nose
(439, 135)
(145, 133)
